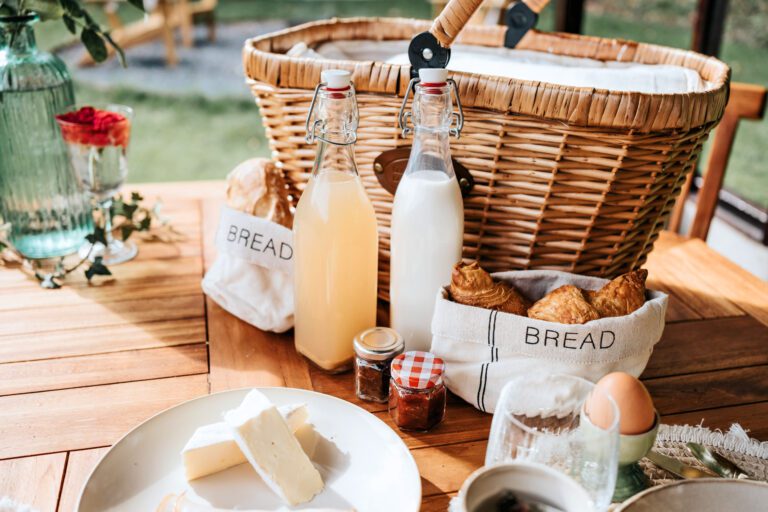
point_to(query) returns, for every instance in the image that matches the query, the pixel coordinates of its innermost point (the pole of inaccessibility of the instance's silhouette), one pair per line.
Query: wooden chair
(746, 101)
(160, 23)
(206, 10)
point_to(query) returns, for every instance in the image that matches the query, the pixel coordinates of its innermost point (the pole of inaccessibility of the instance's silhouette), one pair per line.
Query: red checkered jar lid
(417, 370)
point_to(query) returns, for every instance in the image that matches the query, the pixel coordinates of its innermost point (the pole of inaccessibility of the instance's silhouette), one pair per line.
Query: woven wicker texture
(573, 179)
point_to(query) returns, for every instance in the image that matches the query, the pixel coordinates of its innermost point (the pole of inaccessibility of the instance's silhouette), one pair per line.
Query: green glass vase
(40, 196)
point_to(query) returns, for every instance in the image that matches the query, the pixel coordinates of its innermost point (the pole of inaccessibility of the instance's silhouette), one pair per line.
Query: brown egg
(635, 405)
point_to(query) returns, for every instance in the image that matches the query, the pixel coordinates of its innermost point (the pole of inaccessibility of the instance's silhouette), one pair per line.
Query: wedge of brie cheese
(212, 448)
(265, 438)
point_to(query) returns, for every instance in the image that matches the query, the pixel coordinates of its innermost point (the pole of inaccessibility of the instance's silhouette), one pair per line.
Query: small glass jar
(374, 351)
(417, 394)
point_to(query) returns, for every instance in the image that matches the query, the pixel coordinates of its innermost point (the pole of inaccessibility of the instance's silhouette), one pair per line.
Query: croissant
(257, 188)
(565, 305)
(473, 286)
(621, 296)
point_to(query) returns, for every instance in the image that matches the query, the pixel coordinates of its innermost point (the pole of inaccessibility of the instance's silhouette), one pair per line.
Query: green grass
(189, 137)
(185, 138)
(747, 172)
(305, 10)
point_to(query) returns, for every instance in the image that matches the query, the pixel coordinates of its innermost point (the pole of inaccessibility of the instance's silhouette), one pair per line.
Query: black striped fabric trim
(483, 382)
(480, 390)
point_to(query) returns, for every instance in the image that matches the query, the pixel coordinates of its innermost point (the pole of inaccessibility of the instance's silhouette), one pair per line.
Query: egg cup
(631, 479)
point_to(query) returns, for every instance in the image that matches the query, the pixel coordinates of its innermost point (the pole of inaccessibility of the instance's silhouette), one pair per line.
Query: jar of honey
(417, 394)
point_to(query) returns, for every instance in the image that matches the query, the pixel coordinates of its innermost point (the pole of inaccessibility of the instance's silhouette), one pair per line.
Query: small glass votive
(417, 394)
(374, 351)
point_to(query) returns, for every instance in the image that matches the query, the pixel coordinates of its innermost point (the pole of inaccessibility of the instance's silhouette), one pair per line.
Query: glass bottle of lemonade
(427, 215)
(335, 236)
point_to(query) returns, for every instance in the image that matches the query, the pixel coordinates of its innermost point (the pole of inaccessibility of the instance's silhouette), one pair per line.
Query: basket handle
(456, 14)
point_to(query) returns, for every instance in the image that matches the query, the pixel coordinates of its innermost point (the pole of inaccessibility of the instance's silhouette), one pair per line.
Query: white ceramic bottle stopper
(336, 78)
(433, 75)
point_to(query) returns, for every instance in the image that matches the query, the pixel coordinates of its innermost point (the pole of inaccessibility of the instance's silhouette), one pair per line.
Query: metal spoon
(717, 462)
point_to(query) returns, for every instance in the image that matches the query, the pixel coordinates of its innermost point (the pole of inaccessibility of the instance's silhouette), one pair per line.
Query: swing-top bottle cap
(336, 78)
(433, 75)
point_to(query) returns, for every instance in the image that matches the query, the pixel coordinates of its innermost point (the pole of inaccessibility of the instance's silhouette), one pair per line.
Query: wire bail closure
(311, 127)
(457, 117)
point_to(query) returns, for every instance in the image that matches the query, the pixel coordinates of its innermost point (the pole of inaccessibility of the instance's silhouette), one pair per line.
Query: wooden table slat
(677, 310)
(464, 424)
(114, 338)
(14, 279)
(709, 390)
(443, 469)
(682, 282)
(437, 503)
(725, 278)
(79, 467)
(706, 345)
(97, 314)
(242, 355)
(159, 287)
(97, 369)
(33, 481)
(74, 419)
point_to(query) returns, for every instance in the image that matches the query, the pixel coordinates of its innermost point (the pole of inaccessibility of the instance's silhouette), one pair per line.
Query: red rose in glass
(93, 127)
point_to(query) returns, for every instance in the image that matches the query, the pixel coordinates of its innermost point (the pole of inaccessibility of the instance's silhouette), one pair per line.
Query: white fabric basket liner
(483, 349)
(527, 65)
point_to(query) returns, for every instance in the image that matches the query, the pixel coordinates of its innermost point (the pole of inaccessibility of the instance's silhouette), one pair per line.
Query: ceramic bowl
(534, 480)
(704, 495)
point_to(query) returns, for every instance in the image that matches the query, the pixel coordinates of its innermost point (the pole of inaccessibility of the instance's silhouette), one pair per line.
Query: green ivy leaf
(116, 47)
(126, 231)
(145, 223)
(129, 210)
(98, 235)
(70, 24)
(8, 9)
(139, 4)
(94, 44)
(97, 268)
(73, 7)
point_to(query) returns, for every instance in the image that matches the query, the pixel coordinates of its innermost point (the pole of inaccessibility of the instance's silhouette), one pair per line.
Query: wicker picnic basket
(567, 178)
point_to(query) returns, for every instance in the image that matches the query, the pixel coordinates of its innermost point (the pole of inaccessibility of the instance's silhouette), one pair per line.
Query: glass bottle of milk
(335, 236)
(427, 215)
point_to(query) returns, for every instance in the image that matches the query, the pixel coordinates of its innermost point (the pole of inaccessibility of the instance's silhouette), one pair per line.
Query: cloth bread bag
(483, 349)
(252, 275)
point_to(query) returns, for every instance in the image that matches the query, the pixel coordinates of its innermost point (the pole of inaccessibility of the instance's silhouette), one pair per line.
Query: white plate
(364, 463)
(705, 495)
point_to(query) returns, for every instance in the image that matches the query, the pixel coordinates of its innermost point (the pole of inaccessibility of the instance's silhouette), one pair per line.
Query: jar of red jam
(374, 351)
(417, 393)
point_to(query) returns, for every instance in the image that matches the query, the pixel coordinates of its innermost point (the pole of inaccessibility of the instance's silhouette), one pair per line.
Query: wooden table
(81, 366)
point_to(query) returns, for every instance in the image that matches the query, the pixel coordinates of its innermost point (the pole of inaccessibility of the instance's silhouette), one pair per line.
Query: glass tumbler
(542, 419)
(98, 156)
